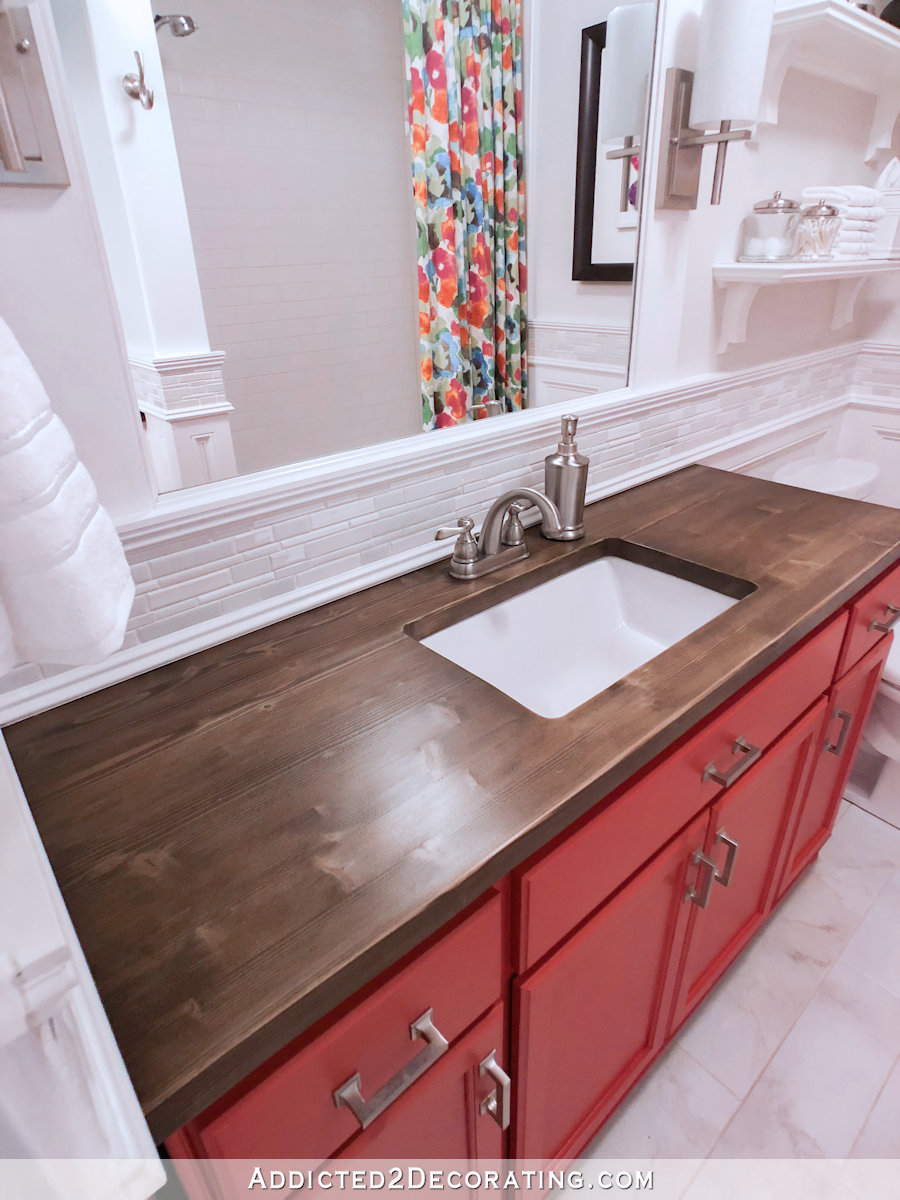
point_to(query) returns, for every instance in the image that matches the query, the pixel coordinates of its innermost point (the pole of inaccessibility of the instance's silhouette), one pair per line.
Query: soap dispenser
(565, 480)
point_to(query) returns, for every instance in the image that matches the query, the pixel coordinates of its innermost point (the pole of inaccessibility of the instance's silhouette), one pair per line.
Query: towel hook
(135, 85)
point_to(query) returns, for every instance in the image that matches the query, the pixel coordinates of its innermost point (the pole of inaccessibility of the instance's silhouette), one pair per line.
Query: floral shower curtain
(464, 73)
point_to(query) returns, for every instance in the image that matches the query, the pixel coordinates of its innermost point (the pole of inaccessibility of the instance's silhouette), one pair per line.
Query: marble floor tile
(860, 857)
(798, 1179)
(677, 1110)
(880, 1135)
(813, 1097)
(874, 948)
(748, 1014)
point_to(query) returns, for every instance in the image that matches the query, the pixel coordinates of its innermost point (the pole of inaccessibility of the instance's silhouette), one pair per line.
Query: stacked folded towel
(860, 208)
(65, 587)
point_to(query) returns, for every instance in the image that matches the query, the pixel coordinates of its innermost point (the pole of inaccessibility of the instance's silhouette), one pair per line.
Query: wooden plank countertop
(248, 836)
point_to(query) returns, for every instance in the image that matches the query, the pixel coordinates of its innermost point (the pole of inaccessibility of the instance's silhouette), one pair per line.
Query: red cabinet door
(587, 1021)
(745, 843)
(849, 704)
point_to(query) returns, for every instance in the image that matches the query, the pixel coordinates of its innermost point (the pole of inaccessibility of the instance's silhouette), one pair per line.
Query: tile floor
(796, 1052)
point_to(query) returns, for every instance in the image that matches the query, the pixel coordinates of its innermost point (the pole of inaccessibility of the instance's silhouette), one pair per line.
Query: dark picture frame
(593, 43)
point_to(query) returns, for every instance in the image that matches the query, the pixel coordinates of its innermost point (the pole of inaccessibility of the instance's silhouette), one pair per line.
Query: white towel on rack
(65, 587)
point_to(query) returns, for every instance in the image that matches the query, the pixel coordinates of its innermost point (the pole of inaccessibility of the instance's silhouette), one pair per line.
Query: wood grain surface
(246, 837)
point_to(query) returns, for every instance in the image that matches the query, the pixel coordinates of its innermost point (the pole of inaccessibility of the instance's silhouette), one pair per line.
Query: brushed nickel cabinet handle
(701, 897)
(732, 775)
(724, 876)
(497, 1104)
(886, 626)
(366, 1111)
(846, 719)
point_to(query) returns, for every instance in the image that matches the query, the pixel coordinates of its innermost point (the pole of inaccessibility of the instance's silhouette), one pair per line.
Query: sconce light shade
(624, 79)
(731, 62)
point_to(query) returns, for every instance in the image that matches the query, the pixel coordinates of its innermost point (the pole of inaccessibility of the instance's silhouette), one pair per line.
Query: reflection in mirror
(616, 59)
(354, 179)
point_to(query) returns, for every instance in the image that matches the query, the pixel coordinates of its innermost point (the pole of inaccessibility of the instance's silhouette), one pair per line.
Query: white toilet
(855, 478)
(851, 477)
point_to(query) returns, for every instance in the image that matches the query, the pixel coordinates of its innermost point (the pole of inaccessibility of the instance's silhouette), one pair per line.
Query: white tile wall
(597, 345)
(294, 170)
(237, 563)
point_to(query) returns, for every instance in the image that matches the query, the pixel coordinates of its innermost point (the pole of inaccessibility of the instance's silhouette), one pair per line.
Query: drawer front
(446, 1115)
(570, 881)
(878, 606)
(292, 1113)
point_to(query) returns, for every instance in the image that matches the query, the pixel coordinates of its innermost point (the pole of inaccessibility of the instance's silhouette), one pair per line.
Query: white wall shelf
(741, 281)
(834, 40)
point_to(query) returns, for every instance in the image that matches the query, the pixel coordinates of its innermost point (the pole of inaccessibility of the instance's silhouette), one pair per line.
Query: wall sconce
(624, 82)
(724, 91)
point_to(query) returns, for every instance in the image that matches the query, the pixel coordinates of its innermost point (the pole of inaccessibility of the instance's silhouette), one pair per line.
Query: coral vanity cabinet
(531, 1016)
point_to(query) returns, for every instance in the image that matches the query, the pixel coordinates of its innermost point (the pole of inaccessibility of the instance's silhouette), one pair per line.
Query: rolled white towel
(847, 253)
(65, 587)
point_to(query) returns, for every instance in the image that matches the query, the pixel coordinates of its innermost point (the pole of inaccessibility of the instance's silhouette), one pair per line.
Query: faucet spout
(551, 522)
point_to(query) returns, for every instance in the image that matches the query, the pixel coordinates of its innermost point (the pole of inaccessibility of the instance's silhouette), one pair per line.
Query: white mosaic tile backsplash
(302, 538)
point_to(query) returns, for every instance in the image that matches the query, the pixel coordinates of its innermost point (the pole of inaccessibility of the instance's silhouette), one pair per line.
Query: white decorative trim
(179, 364)
(216, 409)
(186, 382)
(186, 414)
(577, 368)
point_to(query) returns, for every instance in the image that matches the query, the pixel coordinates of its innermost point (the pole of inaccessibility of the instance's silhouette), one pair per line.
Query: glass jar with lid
(815, 231)
(767, 234)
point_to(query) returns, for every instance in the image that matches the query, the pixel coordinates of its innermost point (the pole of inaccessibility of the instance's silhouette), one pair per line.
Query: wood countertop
(248, 836)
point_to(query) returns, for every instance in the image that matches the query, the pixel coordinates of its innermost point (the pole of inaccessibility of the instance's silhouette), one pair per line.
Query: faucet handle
(512, 533)
(466, 548)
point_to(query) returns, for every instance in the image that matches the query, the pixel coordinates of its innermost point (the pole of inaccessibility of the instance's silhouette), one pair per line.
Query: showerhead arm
(180, 25)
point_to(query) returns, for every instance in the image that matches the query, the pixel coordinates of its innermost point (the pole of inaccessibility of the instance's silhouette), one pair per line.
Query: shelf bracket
(845, 301)
(736, 305)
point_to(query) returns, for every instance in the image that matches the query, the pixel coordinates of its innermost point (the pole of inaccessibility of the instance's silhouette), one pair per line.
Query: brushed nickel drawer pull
(497, 1104)
(366, 1111)
(724, 876)
(846, 719)
(886, 626)
(701, 897)
(732, 775)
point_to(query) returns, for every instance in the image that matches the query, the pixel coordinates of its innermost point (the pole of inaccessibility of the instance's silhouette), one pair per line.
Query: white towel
(850, 193)
(863, 225)
(854, 236)
(65, 587)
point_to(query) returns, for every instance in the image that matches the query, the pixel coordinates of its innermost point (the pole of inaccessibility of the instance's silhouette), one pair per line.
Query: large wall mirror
(290, 128)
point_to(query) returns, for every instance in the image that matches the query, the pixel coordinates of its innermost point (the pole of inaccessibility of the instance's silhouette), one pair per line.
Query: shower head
(180, 25)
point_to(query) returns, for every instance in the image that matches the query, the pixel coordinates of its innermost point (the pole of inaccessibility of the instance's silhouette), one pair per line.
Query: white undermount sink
(560, 643)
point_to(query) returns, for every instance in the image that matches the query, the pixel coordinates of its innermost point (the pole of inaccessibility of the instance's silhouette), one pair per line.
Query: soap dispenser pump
(565, 481)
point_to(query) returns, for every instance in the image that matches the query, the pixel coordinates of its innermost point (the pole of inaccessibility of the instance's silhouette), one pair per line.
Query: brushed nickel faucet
(502, 537)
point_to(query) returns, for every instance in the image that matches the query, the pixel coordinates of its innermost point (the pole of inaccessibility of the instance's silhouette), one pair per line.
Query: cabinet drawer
(570, 881)
(291, 1113)
(870, 608)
